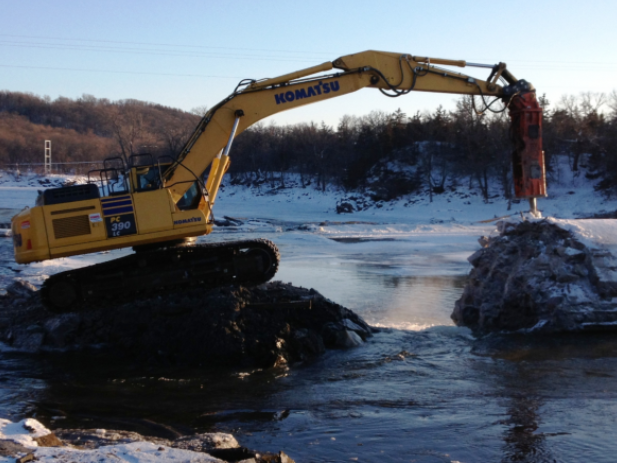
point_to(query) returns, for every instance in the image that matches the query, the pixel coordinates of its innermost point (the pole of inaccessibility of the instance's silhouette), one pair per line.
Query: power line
(117, 72)
(153, 52)
(143, 51)
(307, 54)
(203, 76)
(166, 45)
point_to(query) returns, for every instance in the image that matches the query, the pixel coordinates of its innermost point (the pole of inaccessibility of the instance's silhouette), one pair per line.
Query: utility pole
(47, 157)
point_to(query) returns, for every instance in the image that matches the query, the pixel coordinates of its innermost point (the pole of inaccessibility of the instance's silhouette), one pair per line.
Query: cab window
(191, 198)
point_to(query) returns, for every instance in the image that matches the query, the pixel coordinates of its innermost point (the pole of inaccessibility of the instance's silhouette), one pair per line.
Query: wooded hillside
(87, 129)
(384, 154)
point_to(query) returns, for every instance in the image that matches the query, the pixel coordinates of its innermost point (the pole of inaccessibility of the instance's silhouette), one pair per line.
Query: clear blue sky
(189, 53)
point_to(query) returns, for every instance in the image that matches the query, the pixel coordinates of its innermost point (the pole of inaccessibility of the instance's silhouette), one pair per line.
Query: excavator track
(248, 262)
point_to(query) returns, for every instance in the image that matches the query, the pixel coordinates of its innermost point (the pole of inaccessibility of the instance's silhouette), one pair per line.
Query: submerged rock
(536, 276)
(268, 325)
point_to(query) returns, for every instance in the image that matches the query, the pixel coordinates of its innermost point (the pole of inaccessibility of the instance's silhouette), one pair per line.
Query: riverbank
(29, 440)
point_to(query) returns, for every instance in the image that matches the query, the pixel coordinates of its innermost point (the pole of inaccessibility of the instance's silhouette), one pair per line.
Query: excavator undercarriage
(249, 262)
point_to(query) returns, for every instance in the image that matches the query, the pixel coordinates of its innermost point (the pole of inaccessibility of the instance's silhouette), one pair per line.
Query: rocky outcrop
(264, 326)
(68, 445)
(536, 276)
(224, 447)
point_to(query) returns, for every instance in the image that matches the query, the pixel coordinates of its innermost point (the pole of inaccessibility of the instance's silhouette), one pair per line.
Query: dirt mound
(268, 325)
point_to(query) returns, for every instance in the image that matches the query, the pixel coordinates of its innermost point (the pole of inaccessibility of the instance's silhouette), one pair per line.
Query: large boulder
(264, 326)
(536, 277)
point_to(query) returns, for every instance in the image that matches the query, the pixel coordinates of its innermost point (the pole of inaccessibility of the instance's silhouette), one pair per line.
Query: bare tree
(127, 126)
(612, 103)
(199, 110)
(592, 102)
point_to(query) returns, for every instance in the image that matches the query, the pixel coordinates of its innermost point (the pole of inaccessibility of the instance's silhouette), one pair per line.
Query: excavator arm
(393, 74)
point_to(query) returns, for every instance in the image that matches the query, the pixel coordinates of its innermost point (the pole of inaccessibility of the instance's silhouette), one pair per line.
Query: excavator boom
(392, 73)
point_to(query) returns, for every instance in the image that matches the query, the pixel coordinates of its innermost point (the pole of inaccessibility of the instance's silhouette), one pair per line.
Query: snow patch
(23, 432)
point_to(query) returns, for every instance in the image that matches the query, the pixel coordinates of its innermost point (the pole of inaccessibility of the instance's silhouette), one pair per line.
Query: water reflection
(560, 347)
(7, 274)
(422, 301)
(522, 441)
(383, 297)
(556, 393)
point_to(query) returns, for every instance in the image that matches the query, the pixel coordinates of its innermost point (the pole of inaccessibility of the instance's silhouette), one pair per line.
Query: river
(421, 390)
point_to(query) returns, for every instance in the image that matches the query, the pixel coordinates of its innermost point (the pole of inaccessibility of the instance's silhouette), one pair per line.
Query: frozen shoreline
(28, 439)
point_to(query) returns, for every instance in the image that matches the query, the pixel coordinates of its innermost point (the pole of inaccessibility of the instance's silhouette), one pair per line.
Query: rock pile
(223, 447)
(29, 440)
(269, 325)
(536, 277)
(351, 204)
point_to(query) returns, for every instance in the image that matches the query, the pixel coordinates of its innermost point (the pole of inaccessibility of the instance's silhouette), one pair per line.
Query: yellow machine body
(101, 224)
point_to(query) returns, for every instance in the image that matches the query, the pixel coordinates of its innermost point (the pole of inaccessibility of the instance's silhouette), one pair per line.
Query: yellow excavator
(154, 205)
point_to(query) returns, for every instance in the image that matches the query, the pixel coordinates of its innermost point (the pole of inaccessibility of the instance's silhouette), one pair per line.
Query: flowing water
(421, 390)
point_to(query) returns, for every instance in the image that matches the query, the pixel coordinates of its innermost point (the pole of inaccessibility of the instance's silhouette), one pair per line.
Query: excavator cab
(145, 173)
(146, 178)
(111, 179)
(141, 174)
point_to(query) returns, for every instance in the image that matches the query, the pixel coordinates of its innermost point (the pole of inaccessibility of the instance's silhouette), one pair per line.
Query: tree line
(383, 154)
(387, 155)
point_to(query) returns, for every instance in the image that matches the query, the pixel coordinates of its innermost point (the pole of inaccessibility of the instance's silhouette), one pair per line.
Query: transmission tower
(47, 157)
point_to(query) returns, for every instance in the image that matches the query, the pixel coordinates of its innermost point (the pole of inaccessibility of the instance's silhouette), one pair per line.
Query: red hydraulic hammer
(529, 171)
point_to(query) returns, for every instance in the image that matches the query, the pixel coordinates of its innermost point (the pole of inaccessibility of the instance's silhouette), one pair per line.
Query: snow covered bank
(18, 190)
(29, 440)
(571, 195)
